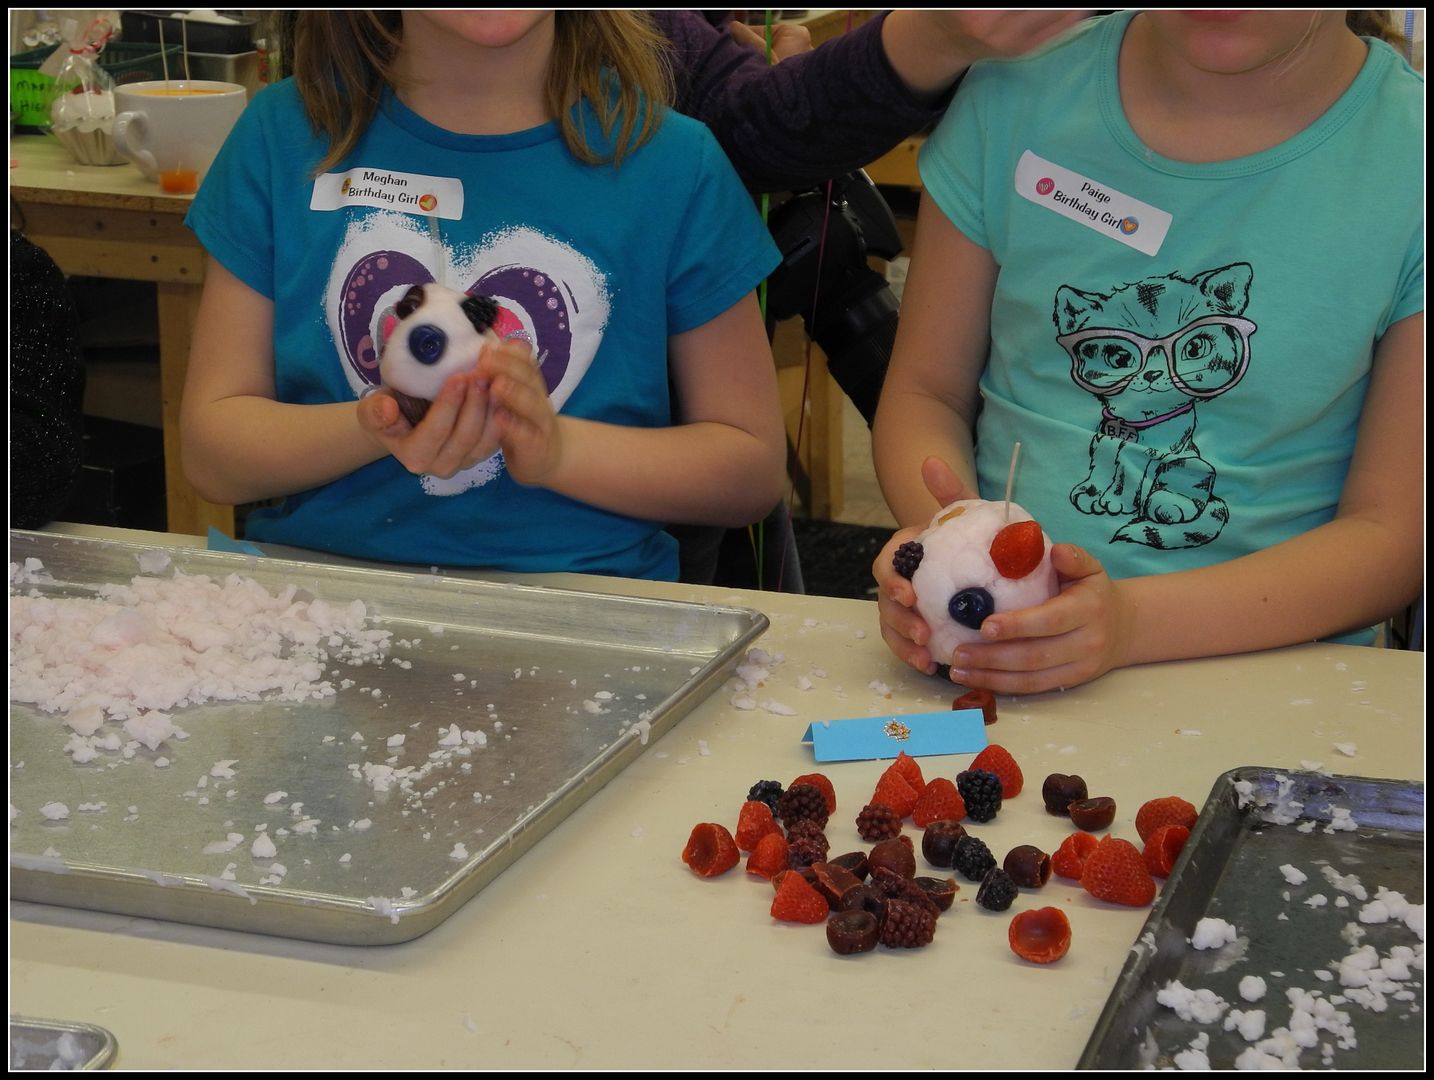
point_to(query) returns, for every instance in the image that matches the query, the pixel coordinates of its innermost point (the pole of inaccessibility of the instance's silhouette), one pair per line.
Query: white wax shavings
(637, 832)
(1252, 988)
(346, 857)
(879, 687)
(743, 702)
(384, 905)
(221, 847)
(360, 825)
(1340, 820)
(153, 562)
(1203, 1006)
(161, 763)
(263, 847)
(395, 741)
(592, 706)
(459, 852)
(1318, 900)
(1194, 1058)
(778, 709)
(1244, 793)
(54, 811)
(1188, 731)
(1211, 933)
(804, 683)
(92, 807)
(156, 644)
(1345, 883)
(1312, 766)
(13, 812)
(223, 770)
(859, 634)
(469, 1023)
(274, 797)
(1293, 874)
(702, 749)
(1348, 749)
(1249, 1023)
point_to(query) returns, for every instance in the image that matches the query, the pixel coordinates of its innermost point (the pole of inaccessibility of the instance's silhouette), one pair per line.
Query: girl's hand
(1075, 636)
(523, 420)
(904, 631)
(454, 435)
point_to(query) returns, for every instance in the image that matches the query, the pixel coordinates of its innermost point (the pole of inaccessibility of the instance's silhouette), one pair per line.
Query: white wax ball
(959, 579)
(436, 338)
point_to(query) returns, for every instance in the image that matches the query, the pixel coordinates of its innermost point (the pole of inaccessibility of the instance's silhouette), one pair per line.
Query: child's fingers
(1073, 563)
(907, 651)
(379, 414)
(1020, 682)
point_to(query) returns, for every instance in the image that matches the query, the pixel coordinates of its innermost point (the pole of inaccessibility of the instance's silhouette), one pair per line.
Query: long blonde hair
(1378, 24)
(616, 60)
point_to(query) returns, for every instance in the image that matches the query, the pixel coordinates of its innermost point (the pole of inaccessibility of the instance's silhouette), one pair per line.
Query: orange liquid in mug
(178, 92)
(179, 181)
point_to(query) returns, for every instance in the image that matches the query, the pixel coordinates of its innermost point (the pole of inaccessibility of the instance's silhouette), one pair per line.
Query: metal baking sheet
(57, 1044)
(566, 686)
(1230, 870)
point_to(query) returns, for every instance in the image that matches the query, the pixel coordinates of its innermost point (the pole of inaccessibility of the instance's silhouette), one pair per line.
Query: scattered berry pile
(875, 897)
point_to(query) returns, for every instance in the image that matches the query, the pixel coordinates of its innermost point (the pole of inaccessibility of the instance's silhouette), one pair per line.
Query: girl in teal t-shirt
(1179, 258)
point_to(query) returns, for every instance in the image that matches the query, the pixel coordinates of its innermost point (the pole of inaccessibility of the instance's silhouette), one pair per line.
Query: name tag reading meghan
(1096, 206)
(410, 193)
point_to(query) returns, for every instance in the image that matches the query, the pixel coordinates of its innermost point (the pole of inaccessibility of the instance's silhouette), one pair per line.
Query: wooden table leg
(187, 512)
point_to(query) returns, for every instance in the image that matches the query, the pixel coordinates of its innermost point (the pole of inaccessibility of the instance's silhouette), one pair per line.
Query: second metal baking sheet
(566, 687)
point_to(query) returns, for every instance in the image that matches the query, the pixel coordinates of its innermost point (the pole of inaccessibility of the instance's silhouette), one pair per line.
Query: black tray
(204, 37)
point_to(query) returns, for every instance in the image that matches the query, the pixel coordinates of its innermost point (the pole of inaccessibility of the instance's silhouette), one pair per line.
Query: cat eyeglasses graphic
(1204, 358)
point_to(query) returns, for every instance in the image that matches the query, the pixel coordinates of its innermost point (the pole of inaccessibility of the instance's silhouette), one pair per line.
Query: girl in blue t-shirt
(523, 155)
(1179, 257)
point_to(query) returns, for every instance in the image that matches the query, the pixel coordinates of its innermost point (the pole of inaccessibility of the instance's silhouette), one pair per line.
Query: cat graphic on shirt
(1152, 352)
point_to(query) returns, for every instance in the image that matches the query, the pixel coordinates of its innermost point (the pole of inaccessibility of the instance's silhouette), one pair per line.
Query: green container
(126, 62)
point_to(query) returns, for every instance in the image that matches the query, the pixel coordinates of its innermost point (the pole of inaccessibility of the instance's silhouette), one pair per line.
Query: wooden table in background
(110, 222)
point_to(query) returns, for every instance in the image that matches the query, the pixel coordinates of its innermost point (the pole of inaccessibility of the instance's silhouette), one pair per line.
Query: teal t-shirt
(593, 266)
(1182, 350)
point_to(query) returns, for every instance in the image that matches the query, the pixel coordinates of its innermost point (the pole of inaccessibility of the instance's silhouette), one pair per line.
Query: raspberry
(981, 791)
(802, 801)
(978, 699)
(1069, 859)
(805, 829)
(1042, 936)
(972, 858)
(1171, 810)
(798, 901)
(939, 801)
(910, 770)
(877, 821)
(822, 784)
(753, 823)
(1116, 873)
(1163, 848)
(805, 851)
(907, 926)
(908, 558)
(1018, 549)
(892, 790)
(997, 890)
(769, 856)
(997, 759)
(710, 850)
(767, 791)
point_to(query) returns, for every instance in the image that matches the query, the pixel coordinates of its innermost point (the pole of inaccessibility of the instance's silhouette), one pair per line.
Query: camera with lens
(848, 308)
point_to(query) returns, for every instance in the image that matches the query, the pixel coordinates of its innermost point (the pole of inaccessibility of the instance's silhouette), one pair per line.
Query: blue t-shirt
(1182, 350)
(594, 266)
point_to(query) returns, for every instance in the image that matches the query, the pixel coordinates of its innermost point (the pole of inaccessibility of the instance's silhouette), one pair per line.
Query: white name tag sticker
(409, 193)
(1096, 206)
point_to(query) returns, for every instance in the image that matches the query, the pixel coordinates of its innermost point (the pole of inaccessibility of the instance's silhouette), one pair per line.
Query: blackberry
(938, 842)
(907, 925)
(908, 558)
(877, 821)
(973, 858)
(802, 801)
(997, 890)
(767, 791)
(802, 853)
(893, 886)
(981, 791)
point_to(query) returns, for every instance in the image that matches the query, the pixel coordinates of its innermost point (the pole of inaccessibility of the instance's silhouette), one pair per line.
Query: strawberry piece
(892, 790)
(910, 769)
(1042, 936)
(797, 901)
(1171, 810)
(1116, 873)
(754, 822)
(997, 759)
(1163, 848)
(978, 699)
(938, 801)
(710, 850)
(822, 784)
(769, 857)
(1018, 549)
(1069, 859)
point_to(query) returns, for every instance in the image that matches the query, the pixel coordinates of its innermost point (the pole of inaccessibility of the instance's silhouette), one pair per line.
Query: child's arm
(722, 463)
(1356, 570)
(241, 445)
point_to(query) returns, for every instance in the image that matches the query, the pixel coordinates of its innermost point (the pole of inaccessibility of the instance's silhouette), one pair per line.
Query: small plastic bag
(82, 112)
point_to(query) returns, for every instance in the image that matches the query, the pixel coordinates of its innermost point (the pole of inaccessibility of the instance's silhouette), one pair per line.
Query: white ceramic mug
(173, 130)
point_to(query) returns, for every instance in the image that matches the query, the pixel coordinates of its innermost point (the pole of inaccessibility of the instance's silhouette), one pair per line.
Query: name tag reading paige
(1094, 205)
(409, 193)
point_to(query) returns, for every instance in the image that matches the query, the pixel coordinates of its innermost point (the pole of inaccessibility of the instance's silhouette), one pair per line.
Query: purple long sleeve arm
(797, 123)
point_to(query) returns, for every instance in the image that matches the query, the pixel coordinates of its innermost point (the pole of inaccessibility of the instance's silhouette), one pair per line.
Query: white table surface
(599, 949)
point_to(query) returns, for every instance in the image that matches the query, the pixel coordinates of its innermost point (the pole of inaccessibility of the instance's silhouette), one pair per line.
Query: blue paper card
(958, 731)
(219, 542)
